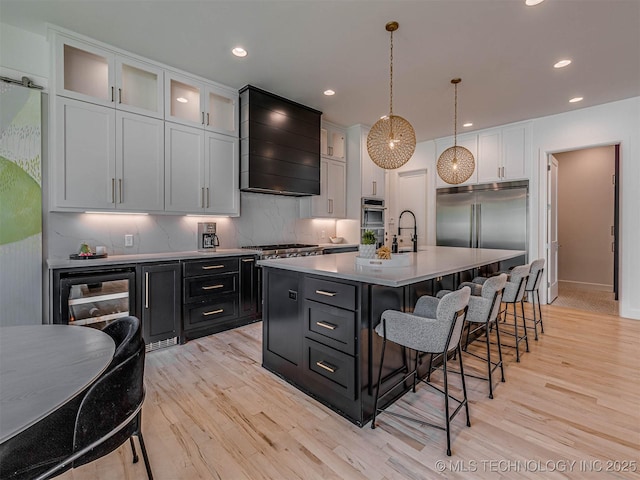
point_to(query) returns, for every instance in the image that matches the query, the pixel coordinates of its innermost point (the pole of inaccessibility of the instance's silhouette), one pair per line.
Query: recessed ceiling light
(182, 100)
(576, 99)
(532, 3)
(469, 124)
(329, 92)
(562, 63)
(239, 52)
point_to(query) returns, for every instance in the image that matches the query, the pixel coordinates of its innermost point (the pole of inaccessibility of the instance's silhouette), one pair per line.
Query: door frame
(544, 187)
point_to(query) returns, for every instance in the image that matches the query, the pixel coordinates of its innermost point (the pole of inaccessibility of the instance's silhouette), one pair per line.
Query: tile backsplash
(264, 219)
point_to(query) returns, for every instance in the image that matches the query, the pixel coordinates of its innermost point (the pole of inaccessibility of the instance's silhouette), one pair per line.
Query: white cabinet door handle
(146, 289)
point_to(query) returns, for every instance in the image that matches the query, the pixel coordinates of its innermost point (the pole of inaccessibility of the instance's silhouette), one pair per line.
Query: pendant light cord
(455, 115)
(391, 77)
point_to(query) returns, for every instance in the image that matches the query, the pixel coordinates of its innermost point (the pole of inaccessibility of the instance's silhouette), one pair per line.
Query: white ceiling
(503, 51)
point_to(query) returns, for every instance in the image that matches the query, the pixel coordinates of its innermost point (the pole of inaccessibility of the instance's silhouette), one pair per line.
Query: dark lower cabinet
(160, 301)
(219, 293)
(249, 287)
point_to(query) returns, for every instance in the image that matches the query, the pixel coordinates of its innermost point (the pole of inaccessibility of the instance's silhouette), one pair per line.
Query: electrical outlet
(128, 240)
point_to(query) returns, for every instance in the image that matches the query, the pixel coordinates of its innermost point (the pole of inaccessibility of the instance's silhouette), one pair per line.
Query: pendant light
(456, 164)
(392, 140)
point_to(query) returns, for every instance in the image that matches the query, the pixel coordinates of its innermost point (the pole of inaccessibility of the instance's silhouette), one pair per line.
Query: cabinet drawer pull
(329, 368)
(112, 94)
(119, 95)
(212, 287)
(325, 293)
(207, 197)
(326, 325)
(248, 259)
(207, 118)
(213, 312)
(113, 190)
(146, 289)
(211, 267)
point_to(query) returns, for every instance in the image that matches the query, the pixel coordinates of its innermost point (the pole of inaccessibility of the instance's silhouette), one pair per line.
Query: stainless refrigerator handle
(471, 224)
(478, 224)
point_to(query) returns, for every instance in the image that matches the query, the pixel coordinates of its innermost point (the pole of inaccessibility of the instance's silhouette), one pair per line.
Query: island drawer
(205, 314)
(329, 370)
(210, 266)
(331, 326)
(200, 288)
(338, 294)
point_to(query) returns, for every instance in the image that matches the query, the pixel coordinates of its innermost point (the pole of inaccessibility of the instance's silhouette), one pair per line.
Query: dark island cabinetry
(159, 301)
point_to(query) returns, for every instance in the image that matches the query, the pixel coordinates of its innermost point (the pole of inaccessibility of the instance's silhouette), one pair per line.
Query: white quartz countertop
(54, 263)
(428, 263)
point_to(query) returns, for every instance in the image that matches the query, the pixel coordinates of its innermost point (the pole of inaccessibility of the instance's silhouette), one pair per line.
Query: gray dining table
(44, 366)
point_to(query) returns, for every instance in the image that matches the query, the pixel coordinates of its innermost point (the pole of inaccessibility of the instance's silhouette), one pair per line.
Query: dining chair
(110, 411)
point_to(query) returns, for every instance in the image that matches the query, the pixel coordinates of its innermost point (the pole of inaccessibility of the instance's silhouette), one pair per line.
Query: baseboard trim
(586, 286)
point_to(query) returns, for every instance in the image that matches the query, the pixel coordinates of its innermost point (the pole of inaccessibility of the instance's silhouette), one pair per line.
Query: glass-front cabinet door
(184, 100)
(84, 72)
(220, 114)
(93, 74)
(140, 86)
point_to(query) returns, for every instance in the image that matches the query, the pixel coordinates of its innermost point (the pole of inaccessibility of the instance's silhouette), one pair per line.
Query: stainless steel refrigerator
(484, 216)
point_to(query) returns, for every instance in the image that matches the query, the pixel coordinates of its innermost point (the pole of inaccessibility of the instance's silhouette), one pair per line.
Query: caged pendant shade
(392, 140)
(456, 164)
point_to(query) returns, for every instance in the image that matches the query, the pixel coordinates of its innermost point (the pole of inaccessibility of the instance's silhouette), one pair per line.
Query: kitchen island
(320, 312)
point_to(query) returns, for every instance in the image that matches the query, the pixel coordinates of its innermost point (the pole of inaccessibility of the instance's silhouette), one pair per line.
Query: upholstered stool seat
(434, 327)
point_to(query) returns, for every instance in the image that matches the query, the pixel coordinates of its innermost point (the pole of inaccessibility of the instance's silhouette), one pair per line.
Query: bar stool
(533, 293)
(434, 327)
(513, 294)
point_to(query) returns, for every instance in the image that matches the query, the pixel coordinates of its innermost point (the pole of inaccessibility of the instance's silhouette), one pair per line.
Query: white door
(336, 193)
(411, 195)
(184, 169)
(552, 229)
(140, 163)
(222, 192)
(86, 157)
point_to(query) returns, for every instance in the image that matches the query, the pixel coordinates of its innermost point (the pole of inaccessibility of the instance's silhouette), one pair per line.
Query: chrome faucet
(414, 237)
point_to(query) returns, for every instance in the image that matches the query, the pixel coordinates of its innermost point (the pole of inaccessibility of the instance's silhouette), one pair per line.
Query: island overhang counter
(319, 313)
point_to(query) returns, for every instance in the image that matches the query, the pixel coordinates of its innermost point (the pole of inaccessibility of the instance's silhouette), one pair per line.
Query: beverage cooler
(93, 297)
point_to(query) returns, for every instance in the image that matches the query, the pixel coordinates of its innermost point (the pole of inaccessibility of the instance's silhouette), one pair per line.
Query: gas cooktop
(287, 250)
(280, 246)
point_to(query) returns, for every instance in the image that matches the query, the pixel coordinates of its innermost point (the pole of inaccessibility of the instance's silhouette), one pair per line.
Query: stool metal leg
(133, 450)
(489, 366)
(499, 350)
(464, 389)
(524, 325)
(446, 401)
(375, 402)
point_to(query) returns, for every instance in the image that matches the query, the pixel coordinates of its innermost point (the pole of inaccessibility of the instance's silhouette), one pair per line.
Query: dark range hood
(279, 145)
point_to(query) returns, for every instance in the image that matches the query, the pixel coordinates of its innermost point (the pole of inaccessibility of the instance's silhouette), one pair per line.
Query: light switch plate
(128, 240)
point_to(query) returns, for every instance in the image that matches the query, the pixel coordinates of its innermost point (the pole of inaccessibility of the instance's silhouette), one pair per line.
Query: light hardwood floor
(569, 409)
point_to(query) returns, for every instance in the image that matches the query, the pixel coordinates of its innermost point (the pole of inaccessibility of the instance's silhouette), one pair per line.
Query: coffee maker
(207, 238)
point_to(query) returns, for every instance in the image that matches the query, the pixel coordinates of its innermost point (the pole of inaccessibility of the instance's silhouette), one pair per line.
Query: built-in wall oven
(372, 218)
(93, 297)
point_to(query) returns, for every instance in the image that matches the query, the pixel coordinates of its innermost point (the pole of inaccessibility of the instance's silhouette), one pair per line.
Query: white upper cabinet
(85, 156)
(516, 154)
(332, 201)
(489, 161)
(201, 171)
(93, 74)
(470, 142)
(107, 160)
(222, 189)
(333, 141)
(503, 154)
(196, 103)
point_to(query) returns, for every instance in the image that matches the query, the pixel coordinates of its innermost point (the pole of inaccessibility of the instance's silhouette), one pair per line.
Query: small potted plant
(367, 248)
